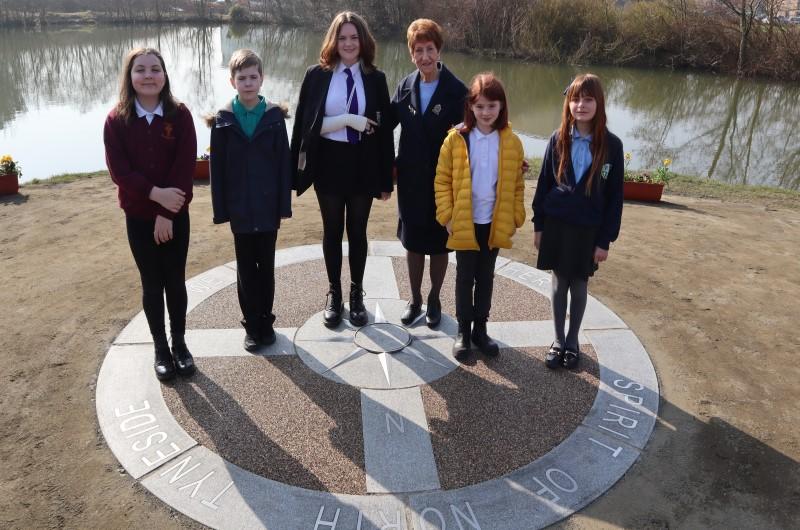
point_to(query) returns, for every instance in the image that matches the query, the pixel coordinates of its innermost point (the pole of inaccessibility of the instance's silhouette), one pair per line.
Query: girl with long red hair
(577, 208)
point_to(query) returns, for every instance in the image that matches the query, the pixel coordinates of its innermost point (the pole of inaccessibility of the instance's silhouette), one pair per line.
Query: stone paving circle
(389, 364)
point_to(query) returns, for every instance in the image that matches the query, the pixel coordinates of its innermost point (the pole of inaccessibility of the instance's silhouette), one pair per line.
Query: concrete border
(154, 449)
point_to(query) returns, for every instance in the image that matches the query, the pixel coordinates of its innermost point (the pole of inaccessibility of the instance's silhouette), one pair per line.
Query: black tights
(340, 212)
(416, 268)
(578, 292)
(162, 269)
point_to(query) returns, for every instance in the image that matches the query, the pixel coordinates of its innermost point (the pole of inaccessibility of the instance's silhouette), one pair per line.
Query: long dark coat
(377, 150)
(421, 139)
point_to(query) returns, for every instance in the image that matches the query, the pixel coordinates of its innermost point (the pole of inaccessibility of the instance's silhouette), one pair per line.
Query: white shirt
(483, 157)
(142, 113)
(336, 102)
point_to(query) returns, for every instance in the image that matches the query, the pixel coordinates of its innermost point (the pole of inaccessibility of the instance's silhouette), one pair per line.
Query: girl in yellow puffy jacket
(479, 199)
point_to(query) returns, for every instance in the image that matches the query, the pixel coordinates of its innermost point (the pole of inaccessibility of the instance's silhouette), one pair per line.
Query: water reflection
(56, 87)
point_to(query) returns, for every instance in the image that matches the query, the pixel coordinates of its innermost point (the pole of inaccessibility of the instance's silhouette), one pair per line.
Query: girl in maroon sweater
(150, 152)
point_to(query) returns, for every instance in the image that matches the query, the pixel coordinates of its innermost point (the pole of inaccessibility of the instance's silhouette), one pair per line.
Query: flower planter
(9, 184)
(201, 171)
(642, 191)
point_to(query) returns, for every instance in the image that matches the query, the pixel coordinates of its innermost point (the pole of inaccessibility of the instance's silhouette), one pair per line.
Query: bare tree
(745, 11)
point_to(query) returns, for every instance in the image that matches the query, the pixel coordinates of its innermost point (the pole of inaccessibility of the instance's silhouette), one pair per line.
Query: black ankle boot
(333, 307)
(485, 344)
(184, 362)
(462, 344)
(164, 366)
(358, 313)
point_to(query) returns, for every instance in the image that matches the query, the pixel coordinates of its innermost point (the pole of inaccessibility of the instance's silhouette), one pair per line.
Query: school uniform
(361, 168)
(425, 122)
(251, 189)
(154, 149)
(574, 223)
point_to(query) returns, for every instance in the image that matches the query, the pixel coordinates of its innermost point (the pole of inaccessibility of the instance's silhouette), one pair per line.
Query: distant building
(789, 9)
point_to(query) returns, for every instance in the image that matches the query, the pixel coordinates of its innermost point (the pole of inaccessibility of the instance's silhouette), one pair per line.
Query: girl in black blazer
(340, 146)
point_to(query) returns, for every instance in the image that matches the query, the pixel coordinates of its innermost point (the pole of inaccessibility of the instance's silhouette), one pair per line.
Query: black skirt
(430, 239)
(567, 249)
(340, 169)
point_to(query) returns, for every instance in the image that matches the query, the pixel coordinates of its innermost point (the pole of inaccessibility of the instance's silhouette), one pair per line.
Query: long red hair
(583, 85)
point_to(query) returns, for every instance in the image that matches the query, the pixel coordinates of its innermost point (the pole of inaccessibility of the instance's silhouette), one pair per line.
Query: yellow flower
(628, 157)
(667, 162)
(6, 158)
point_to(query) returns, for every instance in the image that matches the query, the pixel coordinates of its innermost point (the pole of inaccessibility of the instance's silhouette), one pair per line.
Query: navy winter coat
(251, 178)
(421, 139)
(568, 202)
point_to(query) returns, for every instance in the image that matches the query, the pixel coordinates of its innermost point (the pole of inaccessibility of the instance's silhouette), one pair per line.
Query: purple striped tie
(352, 134)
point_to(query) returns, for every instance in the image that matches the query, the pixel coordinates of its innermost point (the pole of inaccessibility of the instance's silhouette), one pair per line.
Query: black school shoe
(554, 358)
(333, 307)
(482, 341)
(164, 365)
(184, 362)
(411, 313)
(571, 358)
(250, 341)
(358, 313)
(433, 314)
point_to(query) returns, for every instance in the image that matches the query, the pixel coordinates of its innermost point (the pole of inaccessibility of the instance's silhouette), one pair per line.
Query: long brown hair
(126, 107)
(485, 84)
(583, 85)
(329, 53)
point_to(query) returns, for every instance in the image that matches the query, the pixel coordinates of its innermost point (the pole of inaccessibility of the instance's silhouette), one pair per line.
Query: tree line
(743, 37)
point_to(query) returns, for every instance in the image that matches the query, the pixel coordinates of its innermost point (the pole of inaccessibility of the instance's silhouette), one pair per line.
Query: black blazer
(421, 139)
(377, 150)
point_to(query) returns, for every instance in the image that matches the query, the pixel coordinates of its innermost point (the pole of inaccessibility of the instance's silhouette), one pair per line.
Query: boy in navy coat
(251, 181)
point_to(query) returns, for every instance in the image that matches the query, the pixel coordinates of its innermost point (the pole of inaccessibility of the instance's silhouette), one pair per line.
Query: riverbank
(709, 286)
(702, 36)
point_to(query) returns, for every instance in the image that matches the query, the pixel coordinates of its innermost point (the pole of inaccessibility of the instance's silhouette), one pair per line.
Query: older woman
(427, 103)
(340, 146)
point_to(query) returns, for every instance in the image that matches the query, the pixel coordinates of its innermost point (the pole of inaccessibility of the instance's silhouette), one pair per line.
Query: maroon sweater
(140, 156)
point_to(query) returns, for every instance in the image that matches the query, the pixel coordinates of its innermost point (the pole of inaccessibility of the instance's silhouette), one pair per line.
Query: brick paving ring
(378, 427)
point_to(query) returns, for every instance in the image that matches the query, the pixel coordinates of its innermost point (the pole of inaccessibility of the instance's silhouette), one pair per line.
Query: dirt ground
(711, 289)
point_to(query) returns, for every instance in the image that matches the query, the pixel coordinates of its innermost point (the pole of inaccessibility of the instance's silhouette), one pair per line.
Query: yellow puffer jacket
(453, 187)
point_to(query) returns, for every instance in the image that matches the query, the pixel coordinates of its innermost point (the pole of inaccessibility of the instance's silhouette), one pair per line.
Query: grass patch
(65, 178)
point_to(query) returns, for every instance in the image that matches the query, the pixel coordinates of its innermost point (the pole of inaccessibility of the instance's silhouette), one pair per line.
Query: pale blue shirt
(426, 91)
(484, 150)
(581, 154)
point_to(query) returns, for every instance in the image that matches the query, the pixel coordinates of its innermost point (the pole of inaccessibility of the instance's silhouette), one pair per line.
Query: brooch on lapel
(437, 109)
(167, 134)
(412, 109)
(605, 171)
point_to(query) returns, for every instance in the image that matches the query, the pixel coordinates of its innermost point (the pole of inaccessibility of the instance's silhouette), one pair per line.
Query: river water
(56, 88)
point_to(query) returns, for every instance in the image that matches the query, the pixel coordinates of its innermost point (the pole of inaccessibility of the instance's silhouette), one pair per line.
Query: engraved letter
(423, 525)
(329, 524)
(545, 489)
(131, 410)
(196, 484)
(135, 422)
(210, 503)
(630, 384)
(180, 472)
(397, 423)
(399, 525)
(472, 520)
(633, 400)
(570, 489)
(141, 446)
(614, 452)
(162, 456)
(628, 423)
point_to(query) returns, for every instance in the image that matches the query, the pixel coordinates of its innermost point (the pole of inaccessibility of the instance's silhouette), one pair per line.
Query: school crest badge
(605, 171)
(437, 109)
(167, 134)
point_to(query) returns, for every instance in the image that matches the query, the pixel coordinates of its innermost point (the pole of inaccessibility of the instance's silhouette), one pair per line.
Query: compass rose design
(382, 354)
